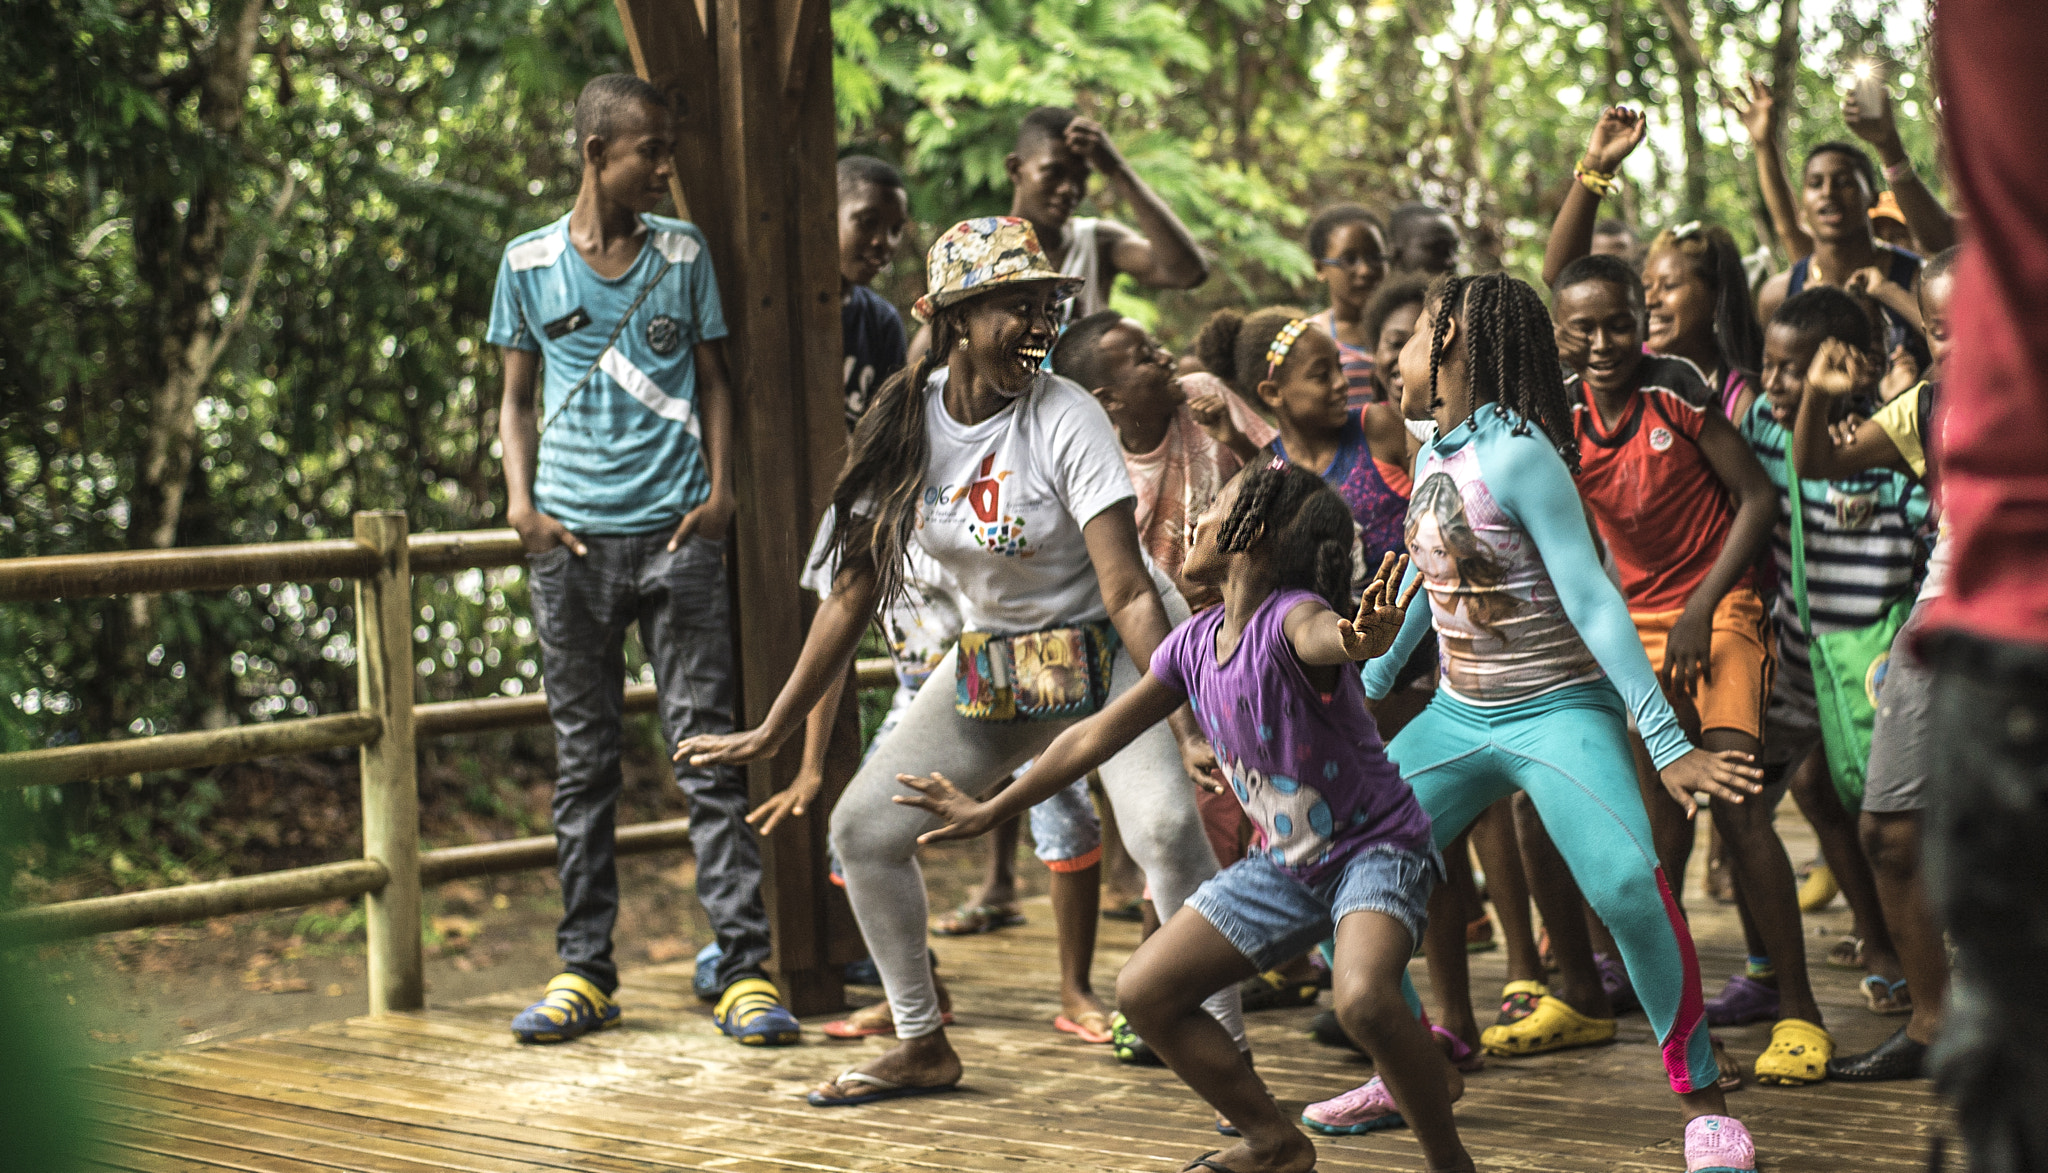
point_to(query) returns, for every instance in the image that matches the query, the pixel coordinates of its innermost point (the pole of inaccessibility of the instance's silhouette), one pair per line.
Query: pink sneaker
(1718, 1144)
(1362, 1109)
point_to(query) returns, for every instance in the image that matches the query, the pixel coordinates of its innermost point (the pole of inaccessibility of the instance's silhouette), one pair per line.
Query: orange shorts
(1741, 668)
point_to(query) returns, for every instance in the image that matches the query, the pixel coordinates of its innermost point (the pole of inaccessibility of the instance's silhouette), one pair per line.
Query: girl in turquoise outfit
(1541, 666)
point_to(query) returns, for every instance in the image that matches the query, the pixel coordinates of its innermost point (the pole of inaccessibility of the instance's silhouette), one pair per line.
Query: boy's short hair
(1830, 313)
(1390, 296)
(1856, 155)
(1613, 226)
(855, 170)
(1329, 220)
(1407, 216)
(1078, 353)
(1045, 124)
(1611, 269)
(604, 98)
(1940, 264)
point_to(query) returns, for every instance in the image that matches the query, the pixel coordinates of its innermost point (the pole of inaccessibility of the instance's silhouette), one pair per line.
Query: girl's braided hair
(1510, 354)
(875, 501)
(1232, 345)
(1307, 526)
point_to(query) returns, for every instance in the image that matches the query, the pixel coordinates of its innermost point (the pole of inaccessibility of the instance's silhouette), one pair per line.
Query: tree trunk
(193, 333)
(1785, 61)
(1617, 48)
(1690, 66)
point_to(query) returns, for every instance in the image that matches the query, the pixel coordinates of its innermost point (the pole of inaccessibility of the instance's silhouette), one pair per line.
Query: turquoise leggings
(1568, 750)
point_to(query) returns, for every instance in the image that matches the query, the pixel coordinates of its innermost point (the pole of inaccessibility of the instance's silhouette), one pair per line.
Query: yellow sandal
(1798, 1054)
(1552, 1026)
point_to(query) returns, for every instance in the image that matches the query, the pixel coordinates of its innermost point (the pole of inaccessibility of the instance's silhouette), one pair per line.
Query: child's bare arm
(1072, 754)
(1688, 654)
(1321, 637)
(1837, 371)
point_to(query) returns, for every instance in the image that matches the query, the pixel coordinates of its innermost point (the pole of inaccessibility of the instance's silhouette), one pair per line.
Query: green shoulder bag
(1848, 667)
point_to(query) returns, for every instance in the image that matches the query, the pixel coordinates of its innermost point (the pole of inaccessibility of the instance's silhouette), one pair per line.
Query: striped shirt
(1860, 544)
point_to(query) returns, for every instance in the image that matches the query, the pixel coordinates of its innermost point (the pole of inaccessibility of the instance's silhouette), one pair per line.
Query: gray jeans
(581, 609)
(876, 839)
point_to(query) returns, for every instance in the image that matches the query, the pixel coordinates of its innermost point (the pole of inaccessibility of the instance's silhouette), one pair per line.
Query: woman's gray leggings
(876, 839)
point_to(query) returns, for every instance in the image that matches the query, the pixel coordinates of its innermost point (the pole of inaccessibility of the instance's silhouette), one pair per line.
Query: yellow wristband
(1600, 183)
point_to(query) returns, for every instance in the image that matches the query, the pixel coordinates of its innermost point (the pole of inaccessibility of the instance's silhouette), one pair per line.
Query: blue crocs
(705, 980)
(572, 1006)
(751, 1011)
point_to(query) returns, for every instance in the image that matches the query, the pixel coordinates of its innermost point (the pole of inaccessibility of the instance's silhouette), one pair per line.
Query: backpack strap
(1798, 541)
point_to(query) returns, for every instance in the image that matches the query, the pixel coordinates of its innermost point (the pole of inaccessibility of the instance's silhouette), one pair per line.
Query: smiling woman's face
(1680, 302)
(1009, 333)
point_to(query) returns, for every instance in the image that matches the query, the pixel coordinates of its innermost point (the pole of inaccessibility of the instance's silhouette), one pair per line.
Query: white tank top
(1084, 260)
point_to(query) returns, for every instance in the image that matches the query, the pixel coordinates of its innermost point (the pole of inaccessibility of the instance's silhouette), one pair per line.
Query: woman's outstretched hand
(963, 818)
(786, 804)
(1379, 621)
(1728, 774)
(724, 749)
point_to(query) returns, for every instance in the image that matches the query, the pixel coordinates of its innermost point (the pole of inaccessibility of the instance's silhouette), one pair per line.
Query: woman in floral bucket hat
(1012, 480)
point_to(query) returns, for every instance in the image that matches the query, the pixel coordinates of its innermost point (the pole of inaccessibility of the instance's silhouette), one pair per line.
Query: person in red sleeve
(1988, 636)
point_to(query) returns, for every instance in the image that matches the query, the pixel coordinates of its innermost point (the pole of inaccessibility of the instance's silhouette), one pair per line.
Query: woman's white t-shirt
(1005, 501)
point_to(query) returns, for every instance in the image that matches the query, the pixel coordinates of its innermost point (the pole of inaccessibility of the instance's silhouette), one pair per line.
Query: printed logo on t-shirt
(664, 334)
(1660, 439)
(1294, 822)
(1852, 510)
(992, 529)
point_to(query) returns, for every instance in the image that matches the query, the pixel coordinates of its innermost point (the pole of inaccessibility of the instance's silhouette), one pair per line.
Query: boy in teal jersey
(618, 480)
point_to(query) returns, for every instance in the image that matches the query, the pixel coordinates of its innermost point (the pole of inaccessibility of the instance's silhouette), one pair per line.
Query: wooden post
(391, 801)
(751, 81)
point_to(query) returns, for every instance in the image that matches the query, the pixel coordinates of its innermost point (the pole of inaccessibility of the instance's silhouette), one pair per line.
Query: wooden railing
(385, 729)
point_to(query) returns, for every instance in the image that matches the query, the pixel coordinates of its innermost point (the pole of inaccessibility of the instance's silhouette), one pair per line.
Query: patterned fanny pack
(1057, 674)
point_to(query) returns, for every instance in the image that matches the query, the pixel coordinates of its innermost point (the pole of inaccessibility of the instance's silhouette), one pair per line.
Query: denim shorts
(1066, 835)
(1271, 916)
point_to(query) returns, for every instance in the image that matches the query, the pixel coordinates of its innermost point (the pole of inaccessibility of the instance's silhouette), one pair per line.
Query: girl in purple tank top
(1342, 844)
(1282, 360)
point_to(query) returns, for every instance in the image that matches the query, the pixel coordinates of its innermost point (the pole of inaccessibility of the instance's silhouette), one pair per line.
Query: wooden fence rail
(382, 561)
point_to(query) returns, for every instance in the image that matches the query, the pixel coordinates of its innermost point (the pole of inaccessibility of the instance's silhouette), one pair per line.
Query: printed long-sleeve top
(1517, 593)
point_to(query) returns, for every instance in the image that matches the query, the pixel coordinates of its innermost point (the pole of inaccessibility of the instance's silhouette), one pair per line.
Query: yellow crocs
(1552, 1026)
(1518, 1000)
(1798, 1054)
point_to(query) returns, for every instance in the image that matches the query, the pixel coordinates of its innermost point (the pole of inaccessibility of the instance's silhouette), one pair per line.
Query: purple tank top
(1379, 511)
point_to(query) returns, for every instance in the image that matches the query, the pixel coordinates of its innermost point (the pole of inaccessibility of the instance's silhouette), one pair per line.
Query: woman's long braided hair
(1510, 354)
(1307, 524)
(876, 499)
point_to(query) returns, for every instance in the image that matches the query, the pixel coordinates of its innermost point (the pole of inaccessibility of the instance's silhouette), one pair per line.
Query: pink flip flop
(847, 1028)
(1462, 1057)
(1081, 1030)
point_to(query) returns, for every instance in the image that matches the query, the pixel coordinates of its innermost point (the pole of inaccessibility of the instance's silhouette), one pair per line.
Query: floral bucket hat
(980, 255)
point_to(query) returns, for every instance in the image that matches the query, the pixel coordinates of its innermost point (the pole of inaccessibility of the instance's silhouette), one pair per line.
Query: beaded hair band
(1282, 343)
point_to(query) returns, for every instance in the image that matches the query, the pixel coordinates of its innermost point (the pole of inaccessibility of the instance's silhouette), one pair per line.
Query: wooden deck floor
(448, 1089)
